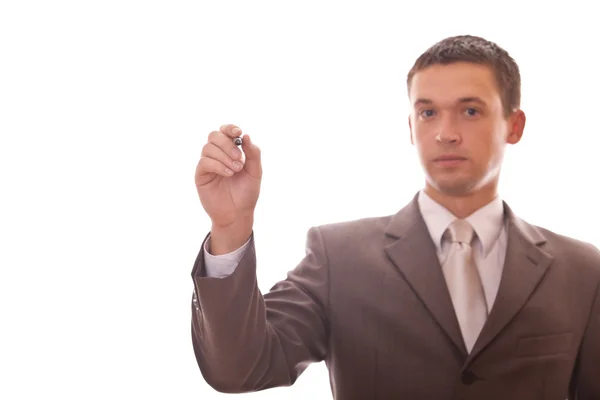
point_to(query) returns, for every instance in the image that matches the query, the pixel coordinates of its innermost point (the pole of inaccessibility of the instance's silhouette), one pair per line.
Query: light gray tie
(464, 282)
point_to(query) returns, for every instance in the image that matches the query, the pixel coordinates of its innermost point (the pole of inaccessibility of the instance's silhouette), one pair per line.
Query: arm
(244, 341)
(587, 378)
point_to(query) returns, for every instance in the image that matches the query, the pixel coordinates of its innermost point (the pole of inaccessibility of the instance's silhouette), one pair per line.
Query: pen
(238, 141)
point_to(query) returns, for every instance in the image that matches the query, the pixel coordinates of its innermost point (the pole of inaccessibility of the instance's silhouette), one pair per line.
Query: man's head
(465, 97)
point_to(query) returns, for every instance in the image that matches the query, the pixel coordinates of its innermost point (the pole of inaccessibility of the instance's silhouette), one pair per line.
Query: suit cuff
(222, 265)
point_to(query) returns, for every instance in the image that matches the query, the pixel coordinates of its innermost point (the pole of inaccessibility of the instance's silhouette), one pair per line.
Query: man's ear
(517, 126)
(412, 141)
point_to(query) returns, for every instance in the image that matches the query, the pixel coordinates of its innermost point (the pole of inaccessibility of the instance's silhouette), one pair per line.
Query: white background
(104, 109)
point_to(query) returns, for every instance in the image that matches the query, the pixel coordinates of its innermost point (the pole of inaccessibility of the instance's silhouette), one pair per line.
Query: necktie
(464, 283)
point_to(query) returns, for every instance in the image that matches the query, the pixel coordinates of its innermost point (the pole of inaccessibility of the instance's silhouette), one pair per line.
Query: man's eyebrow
(422, 101)
(474, 99)
(471, 99)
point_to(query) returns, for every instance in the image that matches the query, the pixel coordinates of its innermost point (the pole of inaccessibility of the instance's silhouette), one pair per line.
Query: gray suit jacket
(371, 301)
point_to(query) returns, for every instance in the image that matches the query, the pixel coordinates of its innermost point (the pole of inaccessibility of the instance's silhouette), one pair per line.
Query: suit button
(468, 377)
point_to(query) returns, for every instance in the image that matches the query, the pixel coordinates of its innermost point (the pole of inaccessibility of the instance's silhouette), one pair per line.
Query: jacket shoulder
(353, 231)
(570, 249)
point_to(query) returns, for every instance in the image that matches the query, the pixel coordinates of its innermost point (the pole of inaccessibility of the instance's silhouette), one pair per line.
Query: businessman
(452, 297)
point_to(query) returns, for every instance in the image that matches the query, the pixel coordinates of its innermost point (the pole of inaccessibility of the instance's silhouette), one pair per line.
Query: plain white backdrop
(104, 109)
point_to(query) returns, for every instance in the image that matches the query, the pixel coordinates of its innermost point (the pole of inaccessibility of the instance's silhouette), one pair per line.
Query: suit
(369, 299)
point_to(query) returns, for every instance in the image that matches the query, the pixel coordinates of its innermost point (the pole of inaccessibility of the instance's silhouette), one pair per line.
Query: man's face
(459, 127)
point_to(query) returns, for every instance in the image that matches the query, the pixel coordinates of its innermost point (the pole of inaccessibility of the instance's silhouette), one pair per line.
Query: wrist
(226, 239)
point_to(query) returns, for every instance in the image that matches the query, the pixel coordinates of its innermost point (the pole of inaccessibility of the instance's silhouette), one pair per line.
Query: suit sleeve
(246, 341)
(587, 381)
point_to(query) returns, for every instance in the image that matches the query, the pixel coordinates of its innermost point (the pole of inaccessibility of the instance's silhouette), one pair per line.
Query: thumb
(252, 164)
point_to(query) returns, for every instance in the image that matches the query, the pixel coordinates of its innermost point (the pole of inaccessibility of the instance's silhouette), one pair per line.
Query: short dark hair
(474, 49)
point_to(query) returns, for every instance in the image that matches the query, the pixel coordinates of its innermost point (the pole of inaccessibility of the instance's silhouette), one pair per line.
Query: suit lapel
(413, 252)
(524, 267)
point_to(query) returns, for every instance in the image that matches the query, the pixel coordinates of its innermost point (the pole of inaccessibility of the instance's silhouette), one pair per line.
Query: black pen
(237, 141)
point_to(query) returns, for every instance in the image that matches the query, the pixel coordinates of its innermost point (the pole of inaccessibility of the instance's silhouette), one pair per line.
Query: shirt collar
(487, 221)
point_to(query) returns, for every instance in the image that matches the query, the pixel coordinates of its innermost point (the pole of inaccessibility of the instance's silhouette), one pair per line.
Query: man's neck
(463, 206)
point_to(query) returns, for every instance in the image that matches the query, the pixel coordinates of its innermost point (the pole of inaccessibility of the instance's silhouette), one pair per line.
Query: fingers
(208, 165)
(251, 150)
(225, 143)
(220, 155)
(253, 164)
(231, 130)
(213, 151)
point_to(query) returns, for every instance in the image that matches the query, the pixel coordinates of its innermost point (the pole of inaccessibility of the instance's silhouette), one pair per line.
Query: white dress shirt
(222, 265)
(489, 244)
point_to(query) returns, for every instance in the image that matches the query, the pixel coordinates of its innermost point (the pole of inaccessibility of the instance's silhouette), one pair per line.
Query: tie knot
(461, 231)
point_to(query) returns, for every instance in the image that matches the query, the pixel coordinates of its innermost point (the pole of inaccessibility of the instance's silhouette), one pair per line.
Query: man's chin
(454, 187)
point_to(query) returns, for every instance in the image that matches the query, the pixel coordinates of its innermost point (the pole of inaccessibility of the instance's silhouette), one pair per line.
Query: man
(453, 297)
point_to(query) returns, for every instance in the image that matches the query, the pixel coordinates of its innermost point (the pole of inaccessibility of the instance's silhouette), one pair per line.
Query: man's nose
(448, 131)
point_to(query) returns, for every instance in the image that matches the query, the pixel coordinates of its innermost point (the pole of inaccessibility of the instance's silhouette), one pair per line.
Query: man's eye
(471, 112)
(427, 113)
